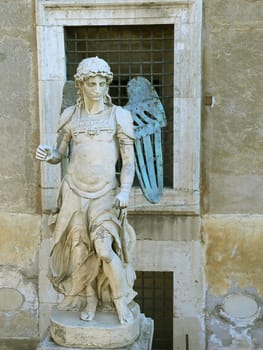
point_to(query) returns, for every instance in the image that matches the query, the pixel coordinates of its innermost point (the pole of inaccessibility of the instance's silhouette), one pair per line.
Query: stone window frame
(186, 16)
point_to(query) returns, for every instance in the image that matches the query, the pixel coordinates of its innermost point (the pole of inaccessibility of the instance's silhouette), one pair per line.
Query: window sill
(174, 201)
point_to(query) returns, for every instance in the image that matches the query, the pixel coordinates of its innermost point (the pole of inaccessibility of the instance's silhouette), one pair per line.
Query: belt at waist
(89, 195)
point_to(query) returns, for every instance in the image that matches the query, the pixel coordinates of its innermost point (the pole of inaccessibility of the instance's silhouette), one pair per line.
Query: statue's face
(95, 88)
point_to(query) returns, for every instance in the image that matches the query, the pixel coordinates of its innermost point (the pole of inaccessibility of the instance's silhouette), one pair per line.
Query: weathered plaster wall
(233, 268)
(233, 167)
(234, 250)
(232, 127)
(19, 177)
(18, 114)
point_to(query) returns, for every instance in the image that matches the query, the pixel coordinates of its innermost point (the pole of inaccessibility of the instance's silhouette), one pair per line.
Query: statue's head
(90, 67)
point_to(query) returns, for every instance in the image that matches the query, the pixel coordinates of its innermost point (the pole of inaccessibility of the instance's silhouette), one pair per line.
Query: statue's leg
(78, 250)
(90, 309)
(114, 271)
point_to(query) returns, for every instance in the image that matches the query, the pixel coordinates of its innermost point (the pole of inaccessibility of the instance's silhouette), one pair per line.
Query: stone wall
(19, 177)
(232, 171)
(232, 126)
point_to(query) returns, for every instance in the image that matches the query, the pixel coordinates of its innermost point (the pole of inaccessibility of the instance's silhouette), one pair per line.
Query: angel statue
(92, 259)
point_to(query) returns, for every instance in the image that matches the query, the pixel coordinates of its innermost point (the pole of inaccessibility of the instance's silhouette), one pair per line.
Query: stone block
(188, 334)
(233, 251)
(19, 344)
(19, 134)
(44, 318)
(166, 227)
(19, 241)
(232, 130)
(226, 12)
(19, 305)
(16, 17)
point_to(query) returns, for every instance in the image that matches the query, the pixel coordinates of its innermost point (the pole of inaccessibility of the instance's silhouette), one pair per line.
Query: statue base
(103, 336)
(104, 332)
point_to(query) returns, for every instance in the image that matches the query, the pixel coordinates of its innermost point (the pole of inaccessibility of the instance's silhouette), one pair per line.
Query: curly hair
(91, 67)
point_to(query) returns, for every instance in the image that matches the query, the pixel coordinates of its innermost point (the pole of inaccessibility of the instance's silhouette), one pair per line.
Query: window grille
(155, 297)
(144, 50)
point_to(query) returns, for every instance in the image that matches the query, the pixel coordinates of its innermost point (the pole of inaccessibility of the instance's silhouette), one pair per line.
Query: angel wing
(149, 117)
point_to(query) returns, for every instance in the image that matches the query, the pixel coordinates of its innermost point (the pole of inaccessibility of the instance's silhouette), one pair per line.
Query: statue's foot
(71, 303)
(65, 304)
(88, 313)
(124, 313)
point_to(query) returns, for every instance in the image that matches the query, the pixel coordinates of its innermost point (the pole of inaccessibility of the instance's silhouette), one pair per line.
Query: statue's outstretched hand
(121, 200)
(44, 152)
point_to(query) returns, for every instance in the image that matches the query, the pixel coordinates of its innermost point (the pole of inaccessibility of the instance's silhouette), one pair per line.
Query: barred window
(144, 50)
(155, 297)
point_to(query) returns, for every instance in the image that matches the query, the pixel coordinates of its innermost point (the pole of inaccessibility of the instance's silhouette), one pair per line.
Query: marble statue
(92, 260)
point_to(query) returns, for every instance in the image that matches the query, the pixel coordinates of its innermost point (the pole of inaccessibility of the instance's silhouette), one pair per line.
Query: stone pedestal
(101, 338)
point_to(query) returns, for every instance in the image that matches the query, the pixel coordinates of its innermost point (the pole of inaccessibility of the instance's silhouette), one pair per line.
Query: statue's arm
(54, 155)
(128, 167)
(126, 141)
(48, 154)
